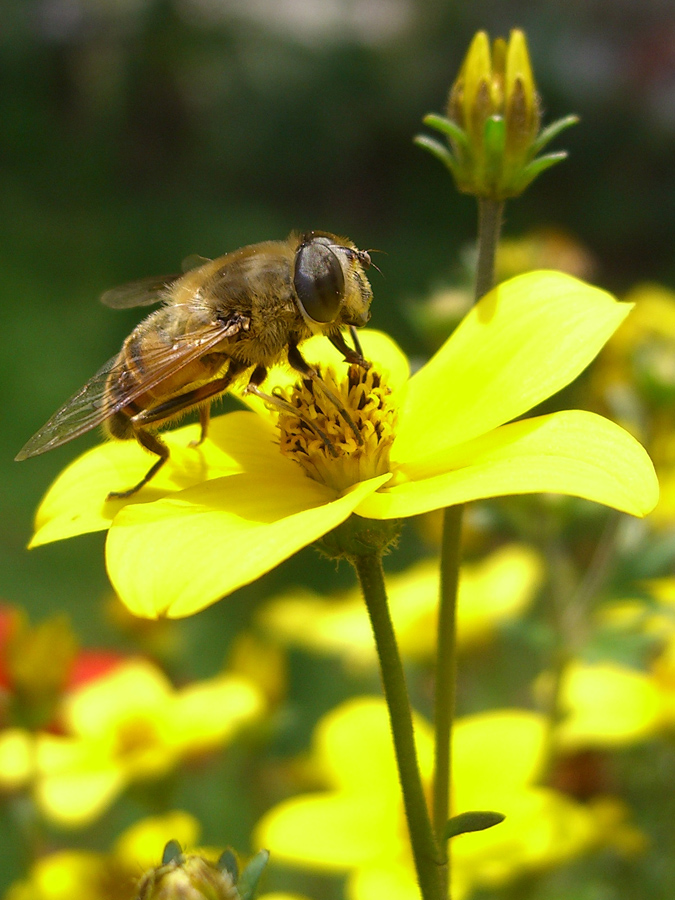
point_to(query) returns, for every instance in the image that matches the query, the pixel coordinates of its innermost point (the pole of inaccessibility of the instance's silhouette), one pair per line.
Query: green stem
(446, 675)
(489, 228)
(425, 850)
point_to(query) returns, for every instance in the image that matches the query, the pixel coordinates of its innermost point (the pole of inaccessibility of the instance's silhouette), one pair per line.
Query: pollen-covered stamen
(344, 460)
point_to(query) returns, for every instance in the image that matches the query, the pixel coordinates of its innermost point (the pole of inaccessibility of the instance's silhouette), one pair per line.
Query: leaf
(172, 853)
(476, 820)
(248, 881)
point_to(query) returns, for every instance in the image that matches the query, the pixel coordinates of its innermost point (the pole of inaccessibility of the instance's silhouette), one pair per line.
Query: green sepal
(553, 130)
(533, 169)
(437, 150)
(494, 141)
(448, 127)
(248, 881)
(476, 820)
(227, 862)
(172, 853)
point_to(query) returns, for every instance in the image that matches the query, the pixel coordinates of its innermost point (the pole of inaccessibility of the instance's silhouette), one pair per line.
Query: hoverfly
(242, 312)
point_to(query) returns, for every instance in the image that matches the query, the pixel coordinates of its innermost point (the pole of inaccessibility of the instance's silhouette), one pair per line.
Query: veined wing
(89, 407)
(143, 292)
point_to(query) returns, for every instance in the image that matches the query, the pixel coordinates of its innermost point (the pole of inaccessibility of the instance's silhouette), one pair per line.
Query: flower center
(321, 437)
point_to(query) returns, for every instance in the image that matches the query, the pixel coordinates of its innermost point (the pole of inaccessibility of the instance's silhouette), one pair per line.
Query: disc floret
(321, 438)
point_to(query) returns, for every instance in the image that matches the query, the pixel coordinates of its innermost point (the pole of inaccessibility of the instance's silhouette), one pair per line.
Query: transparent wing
(88, 407)
(143, 292)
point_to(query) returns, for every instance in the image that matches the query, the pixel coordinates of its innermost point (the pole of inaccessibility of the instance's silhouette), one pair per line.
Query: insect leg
(298, 362)
(353, 356)
(204, 419)
(155, 445)
(257, 378)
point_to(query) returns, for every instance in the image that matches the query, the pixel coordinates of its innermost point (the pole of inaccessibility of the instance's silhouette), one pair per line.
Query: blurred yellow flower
(491, 592)
(606, 705)
(89, 875)
(356, 826)
(129, 725)
(429, 441)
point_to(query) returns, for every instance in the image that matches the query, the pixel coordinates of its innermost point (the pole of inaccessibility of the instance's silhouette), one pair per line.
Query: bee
(240, 313)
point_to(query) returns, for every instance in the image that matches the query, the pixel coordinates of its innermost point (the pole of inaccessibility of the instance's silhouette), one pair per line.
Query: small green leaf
(533, 169)
(248, 881)
(172, 853)
(447, 127)
(228, 863)
(551, 131)
(437, 150)
(476, 820)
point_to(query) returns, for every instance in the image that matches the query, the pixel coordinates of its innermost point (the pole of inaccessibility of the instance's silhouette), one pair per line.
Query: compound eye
(319, 280)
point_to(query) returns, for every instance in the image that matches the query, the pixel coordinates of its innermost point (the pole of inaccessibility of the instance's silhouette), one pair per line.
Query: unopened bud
(493, 119)
(187, 877)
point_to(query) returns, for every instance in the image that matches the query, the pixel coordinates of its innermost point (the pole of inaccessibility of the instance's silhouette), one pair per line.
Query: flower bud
(187, 877)
(493, 119)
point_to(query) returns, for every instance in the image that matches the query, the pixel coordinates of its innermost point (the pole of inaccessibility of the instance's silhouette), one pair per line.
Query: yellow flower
(491, 592)
(606, 705)
(220, 516)
(90, 875)
(357, 827)
(129, 725)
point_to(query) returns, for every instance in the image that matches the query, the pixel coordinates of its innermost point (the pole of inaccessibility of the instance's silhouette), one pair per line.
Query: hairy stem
(425, 850)
(489, 228)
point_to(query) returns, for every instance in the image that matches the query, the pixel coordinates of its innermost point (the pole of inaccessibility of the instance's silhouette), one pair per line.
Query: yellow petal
(571, 452)
(77, 781)
(62, 876)
(606, 705)
(331, 831)
(523, 342)
(76, 502)
(133, 689)
(352, 748)
(494, 753)
(140, 846)
(17, 762)
(392, 879)
(179, 555)
(196, 728)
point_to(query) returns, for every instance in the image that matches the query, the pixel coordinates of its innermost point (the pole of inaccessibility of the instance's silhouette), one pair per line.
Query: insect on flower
(239, 313)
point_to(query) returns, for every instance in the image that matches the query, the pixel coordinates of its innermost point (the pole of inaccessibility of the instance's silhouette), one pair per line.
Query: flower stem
(425, 850)
(489, 228)
(446, 676)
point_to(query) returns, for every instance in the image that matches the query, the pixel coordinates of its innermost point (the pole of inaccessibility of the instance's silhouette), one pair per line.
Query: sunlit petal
(196, 727)
(76, 502)
(523, 342)
(330, 831)
(606, 705)
(141, 845)
(571, 452)
(353, 748)
(179, 555)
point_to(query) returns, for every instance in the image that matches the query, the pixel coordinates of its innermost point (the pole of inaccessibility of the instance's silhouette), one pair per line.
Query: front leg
(300, 364)
(353, 356)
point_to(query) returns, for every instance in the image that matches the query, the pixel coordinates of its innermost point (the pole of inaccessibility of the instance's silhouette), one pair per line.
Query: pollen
(342, 427)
